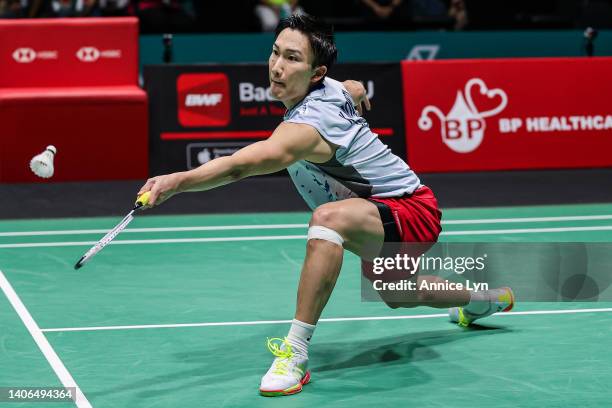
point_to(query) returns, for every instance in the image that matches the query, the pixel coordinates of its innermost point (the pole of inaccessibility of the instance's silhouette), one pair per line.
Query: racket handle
(142, 199)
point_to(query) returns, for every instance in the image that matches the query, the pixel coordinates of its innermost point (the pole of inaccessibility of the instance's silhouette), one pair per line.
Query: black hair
(320, 36)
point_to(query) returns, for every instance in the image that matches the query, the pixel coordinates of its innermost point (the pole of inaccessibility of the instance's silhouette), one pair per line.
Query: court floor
(176, 313)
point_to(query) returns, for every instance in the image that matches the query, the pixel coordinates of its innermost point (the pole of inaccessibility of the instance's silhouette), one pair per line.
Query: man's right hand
(161, 188)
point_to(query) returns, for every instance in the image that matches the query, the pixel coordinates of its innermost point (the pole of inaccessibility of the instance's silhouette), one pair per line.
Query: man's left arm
(359, 95)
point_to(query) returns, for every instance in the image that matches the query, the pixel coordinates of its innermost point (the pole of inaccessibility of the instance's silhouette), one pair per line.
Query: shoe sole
(289, 391)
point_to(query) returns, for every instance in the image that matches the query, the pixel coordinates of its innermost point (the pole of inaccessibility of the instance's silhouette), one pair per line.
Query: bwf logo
(203, 99)
(463, 127)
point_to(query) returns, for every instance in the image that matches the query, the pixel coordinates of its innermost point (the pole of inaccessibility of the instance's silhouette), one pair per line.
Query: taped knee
(327, 234)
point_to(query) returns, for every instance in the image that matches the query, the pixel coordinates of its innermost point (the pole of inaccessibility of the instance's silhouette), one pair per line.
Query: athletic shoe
(500, 300)
(288, 372)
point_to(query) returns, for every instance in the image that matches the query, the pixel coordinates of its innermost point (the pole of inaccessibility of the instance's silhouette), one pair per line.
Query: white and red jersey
(362, 166)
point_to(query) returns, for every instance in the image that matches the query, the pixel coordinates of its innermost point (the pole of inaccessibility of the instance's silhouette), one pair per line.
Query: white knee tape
(328, 234)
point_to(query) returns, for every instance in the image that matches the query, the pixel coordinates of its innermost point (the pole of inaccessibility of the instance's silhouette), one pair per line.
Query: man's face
(290, 67)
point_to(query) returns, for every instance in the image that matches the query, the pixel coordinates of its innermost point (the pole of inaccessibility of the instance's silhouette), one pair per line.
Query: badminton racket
(141, 201)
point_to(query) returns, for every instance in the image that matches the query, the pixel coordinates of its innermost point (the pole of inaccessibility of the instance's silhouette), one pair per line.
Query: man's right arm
(289, 143)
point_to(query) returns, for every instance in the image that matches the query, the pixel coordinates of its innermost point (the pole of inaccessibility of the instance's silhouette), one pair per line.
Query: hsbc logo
(463, 128)
(26, 55)
(92, 54)
(203, 99)
(88, 54)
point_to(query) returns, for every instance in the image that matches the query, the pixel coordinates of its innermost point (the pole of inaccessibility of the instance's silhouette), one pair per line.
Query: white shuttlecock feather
(42, 164)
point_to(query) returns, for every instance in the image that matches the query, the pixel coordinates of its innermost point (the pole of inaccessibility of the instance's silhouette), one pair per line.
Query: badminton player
(362, 195)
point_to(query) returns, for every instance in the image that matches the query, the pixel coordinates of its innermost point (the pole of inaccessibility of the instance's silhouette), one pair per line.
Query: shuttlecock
(42, 164)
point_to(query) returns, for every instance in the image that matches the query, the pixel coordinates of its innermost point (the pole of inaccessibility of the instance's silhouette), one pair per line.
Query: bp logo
(463, 127)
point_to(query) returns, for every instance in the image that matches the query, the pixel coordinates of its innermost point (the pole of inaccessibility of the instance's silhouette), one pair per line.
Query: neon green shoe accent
(282, 350)
(275, 348)
(463, 320)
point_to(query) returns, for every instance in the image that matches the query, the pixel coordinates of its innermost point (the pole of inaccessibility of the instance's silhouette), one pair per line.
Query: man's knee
(324, 226)
(329, 216)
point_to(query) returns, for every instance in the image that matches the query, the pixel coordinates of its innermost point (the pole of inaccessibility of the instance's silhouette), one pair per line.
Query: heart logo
(489, 93)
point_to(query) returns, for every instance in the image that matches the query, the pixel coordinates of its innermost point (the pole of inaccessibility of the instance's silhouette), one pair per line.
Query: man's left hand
(359, 95)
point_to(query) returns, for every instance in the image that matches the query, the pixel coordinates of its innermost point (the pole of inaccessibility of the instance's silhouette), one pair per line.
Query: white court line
(291, 226)
(527, 219)
(146, 230)
(289, 237)
(337, 319)
(528, 230)
(156, 241)
(42, 342)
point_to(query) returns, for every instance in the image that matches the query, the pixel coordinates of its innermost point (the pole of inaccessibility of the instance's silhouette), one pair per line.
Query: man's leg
(464, 306)
(334, 226)
(352, 224)
(359, 227)
(318, 278)
(358, 224)
(440, 299)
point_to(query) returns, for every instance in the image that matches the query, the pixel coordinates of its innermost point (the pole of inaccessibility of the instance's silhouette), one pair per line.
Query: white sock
(299, 336)
(480, 302)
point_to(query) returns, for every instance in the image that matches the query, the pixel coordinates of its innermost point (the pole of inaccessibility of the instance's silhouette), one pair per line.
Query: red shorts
(417, 219)
(416, 216)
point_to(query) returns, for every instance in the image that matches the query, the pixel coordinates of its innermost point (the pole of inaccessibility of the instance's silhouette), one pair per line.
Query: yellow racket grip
(143, 199)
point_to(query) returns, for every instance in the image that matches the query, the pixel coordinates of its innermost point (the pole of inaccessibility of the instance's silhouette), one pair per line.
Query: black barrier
(199, 112)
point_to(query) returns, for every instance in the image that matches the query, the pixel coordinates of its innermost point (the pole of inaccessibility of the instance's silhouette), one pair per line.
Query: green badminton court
(176, 312)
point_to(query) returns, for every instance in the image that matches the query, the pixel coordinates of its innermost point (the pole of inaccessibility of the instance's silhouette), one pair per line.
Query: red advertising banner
(72, 83)
(470, 115)
(69, 52)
